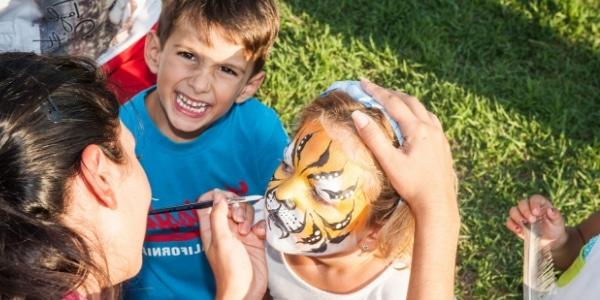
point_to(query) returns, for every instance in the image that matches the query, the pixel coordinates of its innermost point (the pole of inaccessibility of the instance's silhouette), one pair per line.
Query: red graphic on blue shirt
(181, 225)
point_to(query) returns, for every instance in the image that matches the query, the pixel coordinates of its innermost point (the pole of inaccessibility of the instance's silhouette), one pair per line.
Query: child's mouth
(190, 107)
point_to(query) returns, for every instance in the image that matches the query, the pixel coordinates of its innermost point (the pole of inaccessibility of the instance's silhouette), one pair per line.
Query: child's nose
(200, 81)
(292, 193)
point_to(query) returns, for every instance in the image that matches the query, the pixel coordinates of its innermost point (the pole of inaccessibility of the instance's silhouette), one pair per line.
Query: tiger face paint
(315, 200)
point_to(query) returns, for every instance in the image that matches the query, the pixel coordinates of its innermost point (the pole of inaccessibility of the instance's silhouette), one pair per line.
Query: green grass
(516, 84)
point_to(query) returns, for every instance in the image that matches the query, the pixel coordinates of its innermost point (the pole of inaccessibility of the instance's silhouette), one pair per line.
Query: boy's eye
(228, 70)
(186, 55)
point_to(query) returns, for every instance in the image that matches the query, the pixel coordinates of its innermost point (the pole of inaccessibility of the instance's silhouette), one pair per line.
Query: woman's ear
(98, 173)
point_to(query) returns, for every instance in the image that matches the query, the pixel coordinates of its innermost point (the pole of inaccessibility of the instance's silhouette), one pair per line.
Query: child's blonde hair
(387, 212)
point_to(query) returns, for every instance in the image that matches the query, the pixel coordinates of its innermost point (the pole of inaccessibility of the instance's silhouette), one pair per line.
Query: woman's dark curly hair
(51, 108)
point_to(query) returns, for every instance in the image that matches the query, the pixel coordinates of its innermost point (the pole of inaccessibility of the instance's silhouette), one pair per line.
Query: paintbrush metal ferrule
(204, 204)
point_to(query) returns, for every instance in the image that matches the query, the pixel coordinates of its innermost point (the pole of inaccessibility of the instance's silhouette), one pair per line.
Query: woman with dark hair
(73, 197)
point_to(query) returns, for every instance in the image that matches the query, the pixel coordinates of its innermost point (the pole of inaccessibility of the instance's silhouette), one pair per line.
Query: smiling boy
(200, 128)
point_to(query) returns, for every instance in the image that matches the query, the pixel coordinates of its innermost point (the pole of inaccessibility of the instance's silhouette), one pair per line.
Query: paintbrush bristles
(538, 268)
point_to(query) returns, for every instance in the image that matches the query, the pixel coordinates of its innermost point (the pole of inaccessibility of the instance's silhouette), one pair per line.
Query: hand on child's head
(421, 171)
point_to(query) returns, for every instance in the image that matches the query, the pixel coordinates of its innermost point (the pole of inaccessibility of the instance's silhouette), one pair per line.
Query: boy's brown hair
(254, 24)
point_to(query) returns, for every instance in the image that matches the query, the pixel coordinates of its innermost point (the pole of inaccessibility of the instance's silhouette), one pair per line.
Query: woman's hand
(421, 170)
(238, 261)
(422, 173)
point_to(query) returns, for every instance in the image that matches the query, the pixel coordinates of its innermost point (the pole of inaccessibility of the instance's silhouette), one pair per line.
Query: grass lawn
(516, 84)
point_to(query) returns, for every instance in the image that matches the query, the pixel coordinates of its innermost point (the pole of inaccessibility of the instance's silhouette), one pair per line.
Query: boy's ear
(251, 87)
(97, 173)
(152, 51)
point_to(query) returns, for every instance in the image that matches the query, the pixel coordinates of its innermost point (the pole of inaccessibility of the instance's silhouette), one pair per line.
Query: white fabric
(585, 284)
(285, 284)
(142, 18)
(17, 29)
(100, 31)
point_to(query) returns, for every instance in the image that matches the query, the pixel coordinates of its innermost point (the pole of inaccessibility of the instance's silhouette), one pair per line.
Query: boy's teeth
(190, 105)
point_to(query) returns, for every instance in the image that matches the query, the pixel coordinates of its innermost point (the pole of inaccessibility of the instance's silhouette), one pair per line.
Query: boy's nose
(200, 82)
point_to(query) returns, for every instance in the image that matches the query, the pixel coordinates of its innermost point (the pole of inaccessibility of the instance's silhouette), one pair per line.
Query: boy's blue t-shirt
(239, 153)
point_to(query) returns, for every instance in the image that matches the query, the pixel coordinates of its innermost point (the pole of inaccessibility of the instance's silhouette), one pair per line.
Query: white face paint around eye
(287, 154)
(330, 187)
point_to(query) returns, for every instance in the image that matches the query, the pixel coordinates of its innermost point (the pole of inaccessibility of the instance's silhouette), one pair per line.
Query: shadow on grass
(484, 47)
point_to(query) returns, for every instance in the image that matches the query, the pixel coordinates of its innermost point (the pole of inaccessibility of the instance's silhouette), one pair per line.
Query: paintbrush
(204, 204)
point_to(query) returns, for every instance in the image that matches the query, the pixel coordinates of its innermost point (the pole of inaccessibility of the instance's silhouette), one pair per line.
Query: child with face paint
(335, 226)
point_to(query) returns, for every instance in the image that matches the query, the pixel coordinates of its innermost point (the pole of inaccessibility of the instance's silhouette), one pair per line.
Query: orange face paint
(315, 200)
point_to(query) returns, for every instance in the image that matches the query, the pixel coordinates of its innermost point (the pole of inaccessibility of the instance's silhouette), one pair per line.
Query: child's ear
(152, 51)
(98, 174)
(251, 87)
(369, 241)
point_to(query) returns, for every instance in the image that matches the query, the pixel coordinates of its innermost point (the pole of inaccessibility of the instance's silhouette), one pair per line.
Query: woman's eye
(229, 71)
(186, 55)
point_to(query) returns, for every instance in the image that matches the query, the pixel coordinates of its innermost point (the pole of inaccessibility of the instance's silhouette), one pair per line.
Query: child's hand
(241, 213)
(237, 261)
(535, 208)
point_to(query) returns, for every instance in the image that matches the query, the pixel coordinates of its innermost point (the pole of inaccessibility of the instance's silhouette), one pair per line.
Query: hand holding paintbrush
(237, 259)
(204, 204)
(243, 215)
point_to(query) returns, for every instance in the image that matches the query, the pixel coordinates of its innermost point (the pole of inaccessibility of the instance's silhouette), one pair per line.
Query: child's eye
(330, 196)
(228, 70)
(287, 163)
(286, 167)
(186, 55)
